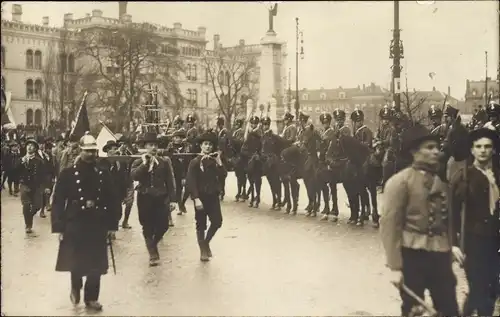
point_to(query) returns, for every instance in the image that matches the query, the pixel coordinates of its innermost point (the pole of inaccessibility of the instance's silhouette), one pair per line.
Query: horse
(239, 163)
(272, 145)
(251, 153)
(346, 157)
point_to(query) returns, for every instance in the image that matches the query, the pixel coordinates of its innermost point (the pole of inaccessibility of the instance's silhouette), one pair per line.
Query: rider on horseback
(384, 135)
(223, 145)
(290, 131)
(236, 142)
(250, 152)
(361, 131)
(493, 112)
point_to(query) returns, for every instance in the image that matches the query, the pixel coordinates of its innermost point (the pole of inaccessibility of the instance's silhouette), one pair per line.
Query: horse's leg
(326, 199)
(237, 173)
(287, 200)
(317, 197)
(277, 186)
(271, 186)
(310, 193)
(295, 189)
(372, 188)
(257, 185)
(251, 189)
(365, 202)
(353, 199)
(335, 202)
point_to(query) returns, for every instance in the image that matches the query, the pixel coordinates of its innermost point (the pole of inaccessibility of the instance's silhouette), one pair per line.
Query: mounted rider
(236, 142)
(435, 117)
(223, 145)
(493, 112)
(339, 127)
(270, 159)
(479, 119)
(290, 131)
(324, 176)
(303, 120)
(361, 131)
(251, 150)
(384, 136)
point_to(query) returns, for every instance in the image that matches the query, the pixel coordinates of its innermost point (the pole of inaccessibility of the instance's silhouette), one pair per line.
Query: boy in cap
(415, 226)
(476, 187)
(203, 182)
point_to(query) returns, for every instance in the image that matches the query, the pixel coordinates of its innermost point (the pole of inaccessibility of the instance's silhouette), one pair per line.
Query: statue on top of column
(272, 13)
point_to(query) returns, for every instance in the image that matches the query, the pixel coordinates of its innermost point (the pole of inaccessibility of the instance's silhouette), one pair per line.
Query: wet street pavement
(265, 263)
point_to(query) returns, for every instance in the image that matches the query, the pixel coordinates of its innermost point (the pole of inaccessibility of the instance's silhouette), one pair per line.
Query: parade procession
(166, 208)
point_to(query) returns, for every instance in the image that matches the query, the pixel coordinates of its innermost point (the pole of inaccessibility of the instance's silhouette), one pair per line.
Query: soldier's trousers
(92, 286)
(212, 211)
(482, 268)
(153, 216)
(433, 271)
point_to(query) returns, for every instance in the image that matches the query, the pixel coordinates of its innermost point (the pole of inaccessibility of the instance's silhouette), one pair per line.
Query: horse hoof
(376, 225)
(325, 211)
(287, 211)
(324, 218)
(314, 214)
(250, 204)
(351, 222)
(334, 218)
(308, 214)
(359, 223)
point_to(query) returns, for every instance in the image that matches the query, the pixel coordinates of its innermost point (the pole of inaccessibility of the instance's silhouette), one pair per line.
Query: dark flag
(5, 117)
(81, 123)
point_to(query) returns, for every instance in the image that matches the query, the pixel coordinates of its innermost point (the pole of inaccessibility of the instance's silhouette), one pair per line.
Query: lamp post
(297, 33)
(396, 54)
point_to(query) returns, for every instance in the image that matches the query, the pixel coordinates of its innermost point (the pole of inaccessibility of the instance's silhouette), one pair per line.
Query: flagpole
(79, 110)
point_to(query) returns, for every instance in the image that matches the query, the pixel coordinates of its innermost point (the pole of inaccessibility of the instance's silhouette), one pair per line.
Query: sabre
(417, 298)
(110, 243)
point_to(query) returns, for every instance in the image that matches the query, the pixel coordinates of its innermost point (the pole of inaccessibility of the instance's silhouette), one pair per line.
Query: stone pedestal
(270, 84)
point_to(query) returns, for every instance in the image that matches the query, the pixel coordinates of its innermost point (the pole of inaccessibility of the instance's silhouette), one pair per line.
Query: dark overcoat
(85, 208)
(31, 180)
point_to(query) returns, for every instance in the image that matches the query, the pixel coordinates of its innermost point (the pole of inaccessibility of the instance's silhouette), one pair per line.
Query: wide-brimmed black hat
(180, 133)
(148, 137)
(208, 136)
(108, 145)
(32, 141)
(415, 135)
(485, 133)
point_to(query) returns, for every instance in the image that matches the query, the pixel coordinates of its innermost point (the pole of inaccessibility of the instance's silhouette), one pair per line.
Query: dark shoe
(42, 215)
(75, 296)
(49, 207)
(209, 252)
(29, 230)
(200, 235)
(125, 225)
(93, 305)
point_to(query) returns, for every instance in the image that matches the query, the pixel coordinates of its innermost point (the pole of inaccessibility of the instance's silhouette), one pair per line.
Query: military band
(421, 233)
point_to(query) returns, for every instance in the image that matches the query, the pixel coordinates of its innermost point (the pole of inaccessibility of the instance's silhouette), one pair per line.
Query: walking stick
(110, 243)
(417, 298)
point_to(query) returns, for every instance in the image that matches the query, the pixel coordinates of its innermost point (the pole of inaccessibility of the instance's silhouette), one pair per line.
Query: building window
(38, 60)
(322, 96)
(38, 89)
(29, 117)
(3, 56)
(194, 102)
(194, 75)
(188, 72)
(305, 97)
(29, 89)
(341, 95)
(38, 117)
(71, 91)
(62, 62)
(29, 59)
(71, 63)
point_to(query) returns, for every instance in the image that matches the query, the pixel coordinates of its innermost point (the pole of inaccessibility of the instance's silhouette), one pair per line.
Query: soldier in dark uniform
(436, 117)
(493, 112)
(454, 146)
(156, 194)
(203, 179)
(31, 180)
(49, 171)
(385, 135)
(479, 119)
(327, 135)
(236, 142)
(251, 152)
(303, 119)
(290, 131)
(271, 157)
(475, 193)
(192, 145)
(361, 131)
(178, 123)
(415, 226)
(179, 164)
(223, 146)
(85, 212)
(12, 165)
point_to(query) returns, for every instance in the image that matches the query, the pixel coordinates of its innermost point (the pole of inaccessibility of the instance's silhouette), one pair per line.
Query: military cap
(357, 116)
(385, 113)
(288, 116)
(325, 118)
(339, 114)
(239, 122)
(32, 141)
(88, 142)
(415, 135)
(451, 111)
(303, 117)
(266, 121)
(493, 109)
(190, 119)
(254, 120)
(435, 112)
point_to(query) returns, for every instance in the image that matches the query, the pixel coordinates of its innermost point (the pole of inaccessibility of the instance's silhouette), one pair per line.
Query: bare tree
(122, 62)
(232, 77)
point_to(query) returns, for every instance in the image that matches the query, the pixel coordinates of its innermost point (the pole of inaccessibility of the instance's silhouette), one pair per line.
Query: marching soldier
(223, 146)
(327, 135)
(476, 187)
(203, 179)
(415, 227)
(49, 171)
(192, 145)
(31, 180)
(271, 157)
(493, 112)
(156, 194)
(290, 131)
(239, 164)
(12, 164)
(385, 135)
(361, 131)
(303, 119)
(69, 155)
(85, 212)
(179, 164)
(251, 151)
(436, 116)
(339, 126)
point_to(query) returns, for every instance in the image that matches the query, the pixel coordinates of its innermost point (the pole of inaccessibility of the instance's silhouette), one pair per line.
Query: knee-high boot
(200, 235)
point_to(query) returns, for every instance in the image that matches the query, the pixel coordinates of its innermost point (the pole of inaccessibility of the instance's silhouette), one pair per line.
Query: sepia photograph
(250, 158)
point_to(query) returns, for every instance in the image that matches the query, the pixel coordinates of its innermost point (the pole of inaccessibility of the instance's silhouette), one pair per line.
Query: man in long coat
(85, 213)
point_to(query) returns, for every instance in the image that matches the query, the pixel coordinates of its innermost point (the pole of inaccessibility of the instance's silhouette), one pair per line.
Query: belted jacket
(415, 214)
(32, 173)
(290, 133)
(159, 181)
(365, 135)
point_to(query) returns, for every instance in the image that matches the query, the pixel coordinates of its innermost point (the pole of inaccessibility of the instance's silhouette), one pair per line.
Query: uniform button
(78, 181)
(97, 198)
(105, 208)
(81, 198)
(83, 207)
(76, 173)
(431, 219)
(79, 189)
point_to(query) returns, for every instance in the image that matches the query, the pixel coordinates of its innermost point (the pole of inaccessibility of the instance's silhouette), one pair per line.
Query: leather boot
(153, 259)
(200, 235)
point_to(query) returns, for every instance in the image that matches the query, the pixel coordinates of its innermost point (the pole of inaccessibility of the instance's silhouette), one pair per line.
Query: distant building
(475, 96)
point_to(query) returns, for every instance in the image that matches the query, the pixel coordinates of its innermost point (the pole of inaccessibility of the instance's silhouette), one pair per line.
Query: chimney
(177, 25)
(122, 8)
(45, 21)
(449, 91)
(17, 12)
(68, 17)
(242, 42)
(216, 41)
(97, 13)
(433, 88)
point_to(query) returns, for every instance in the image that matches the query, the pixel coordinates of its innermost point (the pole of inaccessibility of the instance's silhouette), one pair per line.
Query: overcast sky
(346, 43)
